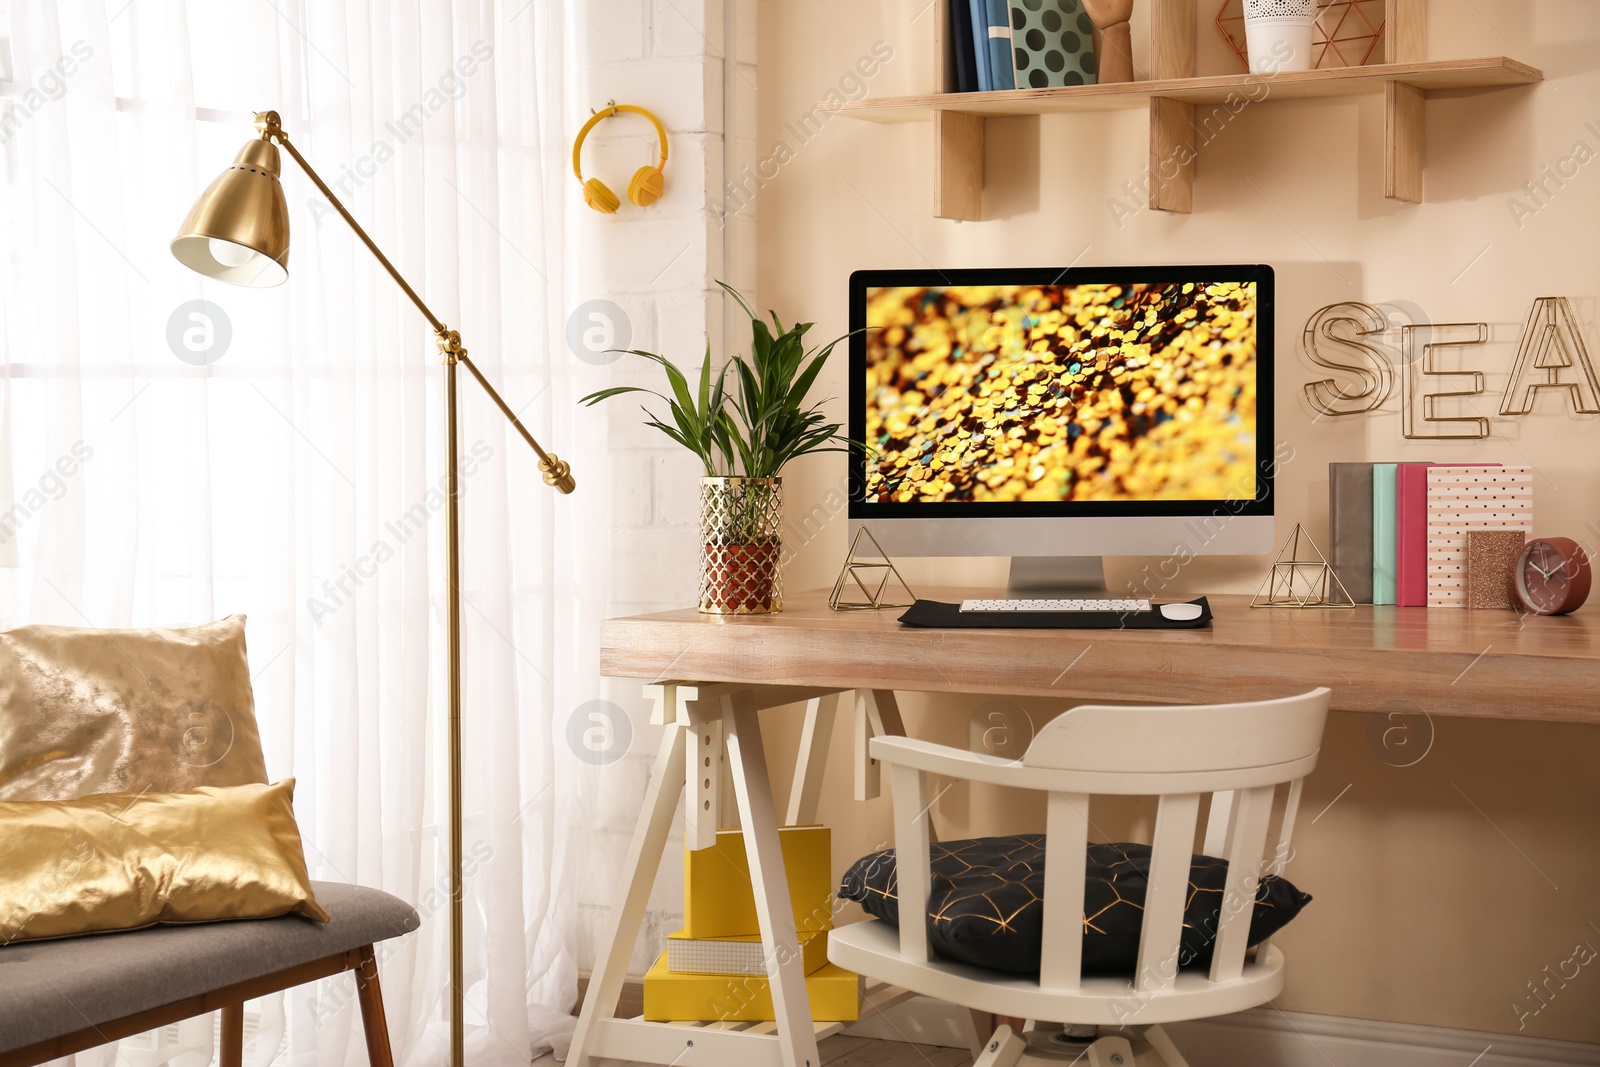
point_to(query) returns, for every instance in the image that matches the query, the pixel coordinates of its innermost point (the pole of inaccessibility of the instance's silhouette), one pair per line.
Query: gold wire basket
(741, 546)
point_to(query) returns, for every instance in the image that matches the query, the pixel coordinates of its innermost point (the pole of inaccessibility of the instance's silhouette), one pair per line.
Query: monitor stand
(1075, 575)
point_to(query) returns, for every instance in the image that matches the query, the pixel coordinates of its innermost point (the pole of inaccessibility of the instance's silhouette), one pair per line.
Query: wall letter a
(1552, 356)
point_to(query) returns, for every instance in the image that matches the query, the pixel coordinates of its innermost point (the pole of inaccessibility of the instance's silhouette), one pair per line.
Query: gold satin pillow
(85, 711)
(120, 861)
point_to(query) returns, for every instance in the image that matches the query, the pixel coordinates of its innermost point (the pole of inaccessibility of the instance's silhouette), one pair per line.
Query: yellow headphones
(647, 183)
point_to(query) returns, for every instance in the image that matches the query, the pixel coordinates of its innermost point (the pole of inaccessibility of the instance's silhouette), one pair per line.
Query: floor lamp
(238, 232)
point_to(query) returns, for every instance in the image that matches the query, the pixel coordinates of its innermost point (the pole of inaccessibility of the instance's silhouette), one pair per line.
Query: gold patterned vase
(741, 535)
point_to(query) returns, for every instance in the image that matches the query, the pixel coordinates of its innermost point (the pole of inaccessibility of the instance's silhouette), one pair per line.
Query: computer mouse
(1180, 612)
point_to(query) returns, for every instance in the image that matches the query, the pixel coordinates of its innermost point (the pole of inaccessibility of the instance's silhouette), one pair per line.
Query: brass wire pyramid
(1296, 582)
(870, 576)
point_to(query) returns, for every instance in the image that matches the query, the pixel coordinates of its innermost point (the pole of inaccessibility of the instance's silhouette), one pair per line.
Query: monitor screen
(1082, 392)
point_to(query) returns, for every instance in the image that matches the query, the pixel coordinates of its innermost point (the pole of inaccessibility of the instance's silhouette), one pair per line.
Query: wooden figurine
(1113, 40)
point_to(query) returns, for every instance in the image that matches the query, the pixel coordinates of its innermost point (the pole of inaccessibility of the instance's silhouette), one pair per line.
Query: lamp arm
(556, 471)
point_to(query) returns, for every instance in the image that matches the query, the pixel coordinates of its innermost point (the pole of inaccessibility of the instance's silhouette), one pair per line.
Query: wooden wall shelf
(1490, 72)
(1173, 94)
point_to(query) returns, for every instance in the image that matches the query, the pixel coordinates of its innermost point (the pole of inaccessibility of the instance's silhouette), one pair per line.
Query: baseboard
(1269, 1038)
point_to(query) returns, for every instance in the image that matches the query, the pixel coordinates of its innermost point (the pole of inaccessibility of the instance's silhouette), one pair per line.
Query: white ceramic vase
(1278, 34)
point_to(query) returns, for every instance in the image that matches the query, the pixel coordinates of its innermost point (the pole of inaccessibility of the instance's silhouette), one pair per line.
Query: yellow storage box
(835, 995)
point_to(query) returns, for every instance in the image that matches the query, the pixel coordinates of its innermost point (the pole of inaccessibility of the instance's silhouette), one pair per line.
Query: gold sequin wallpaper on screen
(1131, 392)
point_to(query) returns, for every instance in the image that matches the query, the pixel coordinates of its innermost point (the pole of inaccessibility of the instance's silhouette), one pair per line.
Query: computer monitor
(1057, 416)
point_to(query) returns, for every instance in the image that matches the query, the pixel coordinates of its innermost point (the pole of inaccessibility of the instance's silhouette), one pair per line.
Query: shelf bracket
(1405, 40)
(958, 165)
(1405, 37)
(1402, 142)
(1172, 155)
(1172, 147)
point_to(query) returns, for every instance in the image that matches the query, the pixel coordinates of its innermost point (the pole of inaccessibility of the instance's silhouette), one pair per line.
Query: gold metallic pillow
(120, 861)
(85, 711)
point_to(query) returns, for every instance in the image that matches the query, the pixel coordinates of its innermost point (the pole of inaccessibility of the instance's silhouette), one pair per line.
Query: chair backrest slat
(913, 869)
(1066, 850)
(1167, 892)
(1218, 823)
(1291, 808)
(1252, 812)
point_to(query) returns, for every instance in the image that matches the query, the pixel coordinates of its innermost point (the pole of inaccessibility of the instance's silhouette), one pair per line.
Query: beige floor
(842, 1051)
(837, 1051)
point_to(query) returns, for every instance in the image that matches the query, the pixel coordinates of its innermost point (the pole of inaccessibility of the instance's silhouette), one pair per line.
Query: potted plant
(743, 435)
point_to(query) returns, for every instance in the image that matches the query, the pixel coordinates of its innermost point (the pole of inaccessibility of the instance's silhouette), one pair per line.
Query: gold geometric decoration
(1297, 582)
(871, 576)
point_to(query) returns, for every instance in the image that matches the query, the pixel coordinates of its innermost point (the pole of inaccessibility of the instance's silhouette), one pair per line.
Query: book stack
(1020, 44)
(1398, 531)
(715, 969)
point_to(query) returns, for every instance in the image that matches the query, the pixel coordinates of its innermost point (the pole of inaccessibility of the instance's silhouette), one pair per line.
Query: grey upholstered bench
(61, 997)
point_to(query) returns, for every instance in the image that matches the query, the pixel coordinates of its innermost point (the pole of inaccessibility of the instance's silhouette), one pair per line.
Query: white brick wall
(659, 265)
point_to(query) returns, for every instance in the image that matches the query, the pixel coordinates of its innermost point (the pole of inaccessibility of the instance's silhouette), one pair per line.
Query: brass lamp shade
(238, 231)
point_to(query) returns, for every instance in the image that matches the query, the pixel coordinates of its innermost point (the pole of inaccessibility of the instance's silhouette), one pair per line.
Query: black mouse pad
(935, 614)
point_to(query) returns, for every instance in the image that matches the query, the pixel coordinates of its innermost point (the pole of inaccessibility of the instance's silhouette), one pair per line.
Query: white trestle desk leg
(868, 776)
(774, 910)
(644, 857)
(806, 791)
(877, 715)
(703, 770)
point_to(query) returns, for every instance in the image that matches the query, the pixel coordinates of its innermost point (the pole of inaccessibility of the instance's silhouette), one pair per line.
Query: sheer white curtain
(279, 452)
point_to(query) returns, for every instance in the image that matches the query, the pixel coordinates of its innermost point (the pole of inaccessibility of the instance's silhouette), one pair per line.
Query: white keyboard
(1085, 604)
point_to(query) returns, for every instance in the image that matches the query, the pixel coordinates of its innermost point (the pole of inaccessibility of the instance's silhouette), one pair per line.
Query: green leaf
(705, 384)
(606, 394)
(802, 384)
(759, 422)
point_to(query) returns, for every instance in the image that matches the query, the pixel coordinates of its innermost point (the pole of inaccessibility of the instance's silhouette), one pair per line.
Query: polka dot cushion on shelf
(1054, 43)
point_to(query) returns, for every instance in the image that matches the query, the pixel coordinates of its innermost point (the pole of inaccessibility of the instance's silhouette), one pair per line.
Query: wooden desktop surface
(1482, 664)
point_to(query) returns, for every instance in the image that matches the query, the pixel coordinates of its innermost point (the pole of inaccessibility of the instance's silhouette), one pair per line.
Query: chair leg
(373, 1022)
(1111, 1050)
(1008, 1048)
(981, 1024)
(232, 1052)
(1004, 1049)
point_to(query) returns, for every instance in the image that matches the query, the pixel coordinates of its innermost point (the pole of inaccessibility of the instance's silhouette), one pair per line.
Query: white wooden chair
(1237, 753)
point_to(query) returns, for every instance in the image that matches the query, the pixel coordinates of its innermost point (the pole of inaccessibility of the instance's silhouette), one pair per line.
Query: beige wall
(1443, 888)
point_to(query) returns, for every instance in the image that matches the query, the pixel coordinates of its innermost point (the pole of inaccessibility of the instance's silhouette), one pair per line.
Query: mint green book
(1385, 508)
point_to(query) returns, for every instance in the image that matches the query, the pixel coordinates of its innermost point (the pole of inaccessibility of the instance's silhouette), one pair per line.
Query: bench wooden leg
(232, 1051)
(370, 996)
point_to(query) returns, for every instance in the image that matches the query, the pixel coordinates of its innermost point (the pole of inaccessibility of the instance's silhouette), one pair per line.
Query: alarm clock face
(1552, 576)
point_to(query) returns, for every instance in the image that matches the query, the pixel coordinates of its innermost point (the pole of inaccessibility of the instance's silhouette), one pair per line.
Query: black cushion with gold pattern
(986, 905)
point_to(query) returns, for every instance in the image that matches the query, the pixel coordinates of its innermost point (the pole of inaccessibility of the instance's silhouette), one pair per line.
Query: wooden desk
(1410, 660)
(1481, 664)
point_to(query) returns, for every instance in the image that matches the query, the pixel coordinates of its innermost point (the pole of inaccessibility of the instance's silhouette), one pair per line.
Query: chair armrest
(953, 762)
